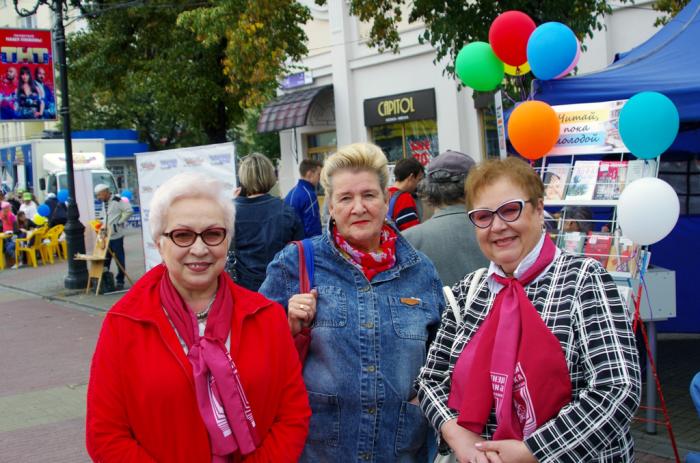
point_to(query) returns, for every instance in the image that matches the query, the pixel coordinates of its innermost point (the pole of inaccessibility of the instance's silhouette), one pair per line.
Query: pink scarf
(220, 396)
(373, 262)
(514, 360)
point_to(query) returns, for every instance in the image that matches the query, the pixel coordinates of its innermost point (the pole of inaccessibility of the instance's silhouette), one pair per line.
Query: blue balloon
(551, 49)
(62, 196)
(127, 194)
(43, 210)
(649, 124)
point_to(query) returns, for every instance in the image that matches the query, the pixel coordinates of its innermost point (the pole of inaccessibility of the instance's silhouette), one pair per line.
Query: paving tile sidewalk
(47, 280)
(678, 360)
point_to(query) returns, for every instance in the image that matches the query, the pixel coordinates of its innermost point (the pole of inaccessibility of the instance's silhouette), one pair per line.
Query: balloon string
(505, 92)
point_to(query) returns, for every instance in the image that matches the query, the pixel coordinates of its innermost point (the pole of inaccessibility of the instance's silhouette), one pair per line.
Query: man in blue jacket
(303, 197)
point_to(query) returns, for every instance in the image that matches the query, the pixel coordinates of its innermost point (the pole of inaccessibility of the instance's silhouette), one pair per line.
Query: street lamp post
(74, 229)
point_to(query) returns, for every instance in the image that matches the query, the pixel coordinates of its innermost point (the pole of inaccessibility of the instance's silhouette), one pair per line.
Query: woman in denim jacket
(374, 309)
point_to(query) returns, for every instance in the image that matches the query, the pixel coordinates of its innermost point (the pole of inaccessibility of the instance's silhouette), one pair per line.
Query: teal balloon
(649, 124)
(478, 67)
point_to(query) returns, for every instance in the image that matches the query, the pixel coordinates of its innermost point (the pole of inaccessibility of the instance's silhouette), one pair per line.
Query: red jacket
(141, 404)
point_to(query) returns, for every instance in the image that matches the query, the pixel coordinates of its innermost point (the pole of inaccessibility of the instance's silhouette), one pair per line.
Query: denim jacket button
(371, 368)
(366, 456)
(364, 289)
(371, 410)
(368, 325)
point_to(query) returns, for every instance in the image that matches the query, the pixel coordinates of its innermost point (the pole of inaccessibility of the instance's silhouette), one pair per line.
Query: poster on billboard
(589, 128)
(154, 168)
(27, 91)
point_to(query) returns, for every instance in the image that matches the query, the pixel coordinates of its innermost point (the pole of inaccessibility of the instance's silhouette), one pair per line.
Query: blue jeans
(116, 247)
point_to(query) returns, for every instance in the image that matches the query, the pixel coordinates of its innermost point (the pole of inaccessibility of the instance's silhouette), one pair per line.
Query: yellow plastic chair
(55, 246)
(31, 245)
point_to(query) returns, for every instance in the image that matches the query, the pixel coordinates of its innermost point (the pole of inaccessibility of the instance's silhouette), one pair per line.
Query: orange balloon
(533, 129)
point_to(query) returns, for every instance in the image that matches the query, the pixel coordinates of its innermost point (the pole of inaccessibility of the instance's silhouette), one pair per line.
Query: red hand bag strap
(303, 339)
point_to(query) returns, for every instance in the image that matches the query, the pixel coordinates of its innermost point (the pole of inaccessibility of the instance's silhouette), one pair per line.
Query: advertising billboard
(589, 128)
(27, 90)
(155, 167)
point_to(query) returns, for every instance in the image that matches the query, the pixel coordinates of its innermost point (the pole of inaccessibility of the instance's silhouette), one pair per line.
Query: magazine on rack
(623, 256)
(555, 178)
(583, 180)
(611, 179)
(598, 247)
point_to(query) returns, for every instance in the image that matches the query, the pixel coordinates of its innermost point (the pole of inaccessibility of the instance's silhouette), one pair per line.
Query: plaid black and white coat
(580, 304)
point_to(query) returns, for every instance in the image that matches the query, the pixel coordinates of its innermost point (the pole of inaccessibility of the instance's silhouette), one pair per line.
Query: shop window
(418, 139)
(321, 145)
(684, 177)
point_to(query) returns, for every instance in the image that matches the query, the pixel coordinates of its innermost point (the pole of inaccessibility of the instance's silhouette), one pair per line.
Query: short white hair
(189, 185)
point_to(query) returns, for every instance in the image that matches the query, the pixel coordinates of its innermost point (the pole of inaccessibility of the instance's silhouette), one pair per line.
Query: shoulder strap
(392, 204)
(306, 265)
(473, 286)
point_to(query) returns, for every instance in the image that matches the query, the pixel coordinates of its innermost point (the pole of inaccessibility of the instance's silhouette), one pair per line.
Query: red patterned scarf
(220, 396)
(373, 262)
(513, 360)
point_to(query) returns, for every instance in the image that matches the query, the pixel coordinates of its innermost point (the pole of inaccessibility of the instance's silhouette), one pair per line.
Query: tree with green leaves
(670, 8)
(182, 72)
(449, 25)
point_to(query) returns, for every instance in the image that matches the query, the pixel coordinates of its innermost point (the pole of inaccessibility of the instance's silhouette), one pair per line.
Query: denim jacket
(368, 344)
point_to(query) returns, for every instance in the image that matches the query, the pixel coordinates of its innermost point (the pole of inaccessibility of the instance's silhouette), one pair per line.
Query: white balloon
(648, 210)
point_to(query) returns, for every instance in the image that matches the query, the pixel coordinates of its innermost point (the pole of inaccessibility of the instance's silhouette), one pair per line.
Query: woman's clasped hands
(472, 448)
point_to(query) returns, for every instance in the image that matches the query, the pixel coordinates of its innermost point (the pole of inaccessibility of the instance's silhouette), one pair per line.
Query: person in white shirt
(114, 214)
(28, 205)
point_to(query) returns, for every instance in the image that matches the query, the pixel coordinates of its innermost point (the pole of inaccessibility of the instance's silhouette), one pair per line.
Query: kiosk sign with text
(27, 90)
(589, 128)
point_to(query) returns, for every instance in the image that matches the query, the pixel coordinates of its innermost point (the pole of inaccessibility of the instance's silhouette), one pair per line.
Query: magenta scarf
(514, 360)
(220, 396)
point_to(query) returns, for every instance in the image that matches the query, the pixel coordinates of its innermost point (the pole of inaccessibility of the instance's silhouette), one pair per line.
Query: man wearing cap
(28, 205)
(448, 237)
(114, 215)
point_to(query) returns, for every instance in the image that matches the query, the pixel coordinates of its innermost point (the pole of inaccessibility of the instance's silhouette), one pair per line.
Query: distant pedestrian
(114, 214)
(264, 224)
(303, 196)
(28, 206)
(189, 366)
(448, 237)
(51, 201)
(403, 210)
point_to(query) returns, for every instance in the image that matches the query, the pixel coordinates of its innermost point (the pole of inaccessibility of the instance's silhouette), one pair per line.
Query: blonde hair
(356, 157)
(514, 169)
(256, 174)
(189, 185)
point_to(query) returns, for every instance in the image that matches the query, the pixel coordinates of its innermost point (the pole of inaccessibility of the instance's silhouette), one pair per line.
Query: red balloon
(508, 36)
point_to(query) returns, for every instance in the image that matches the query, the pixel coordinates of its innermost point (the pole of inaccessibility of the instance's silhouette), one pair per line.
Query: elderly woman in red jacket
(190, 367)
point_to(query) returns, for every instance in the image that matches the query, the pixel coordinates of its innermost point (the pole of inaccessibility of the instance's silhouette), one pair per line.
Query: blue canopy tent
(669, 63)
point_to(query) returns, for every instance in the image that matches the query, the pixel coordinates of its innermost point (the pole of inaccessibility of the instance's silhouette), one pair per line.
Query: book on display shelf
(611, 179)
(555, 178)
(623, 256)
(598, 247)
(640, 168)
(583, 180)
(572, 242)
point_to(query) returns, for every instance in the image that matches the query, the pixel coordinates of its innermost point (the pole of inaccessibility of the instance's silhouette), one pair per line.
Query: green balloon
(478, 67)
